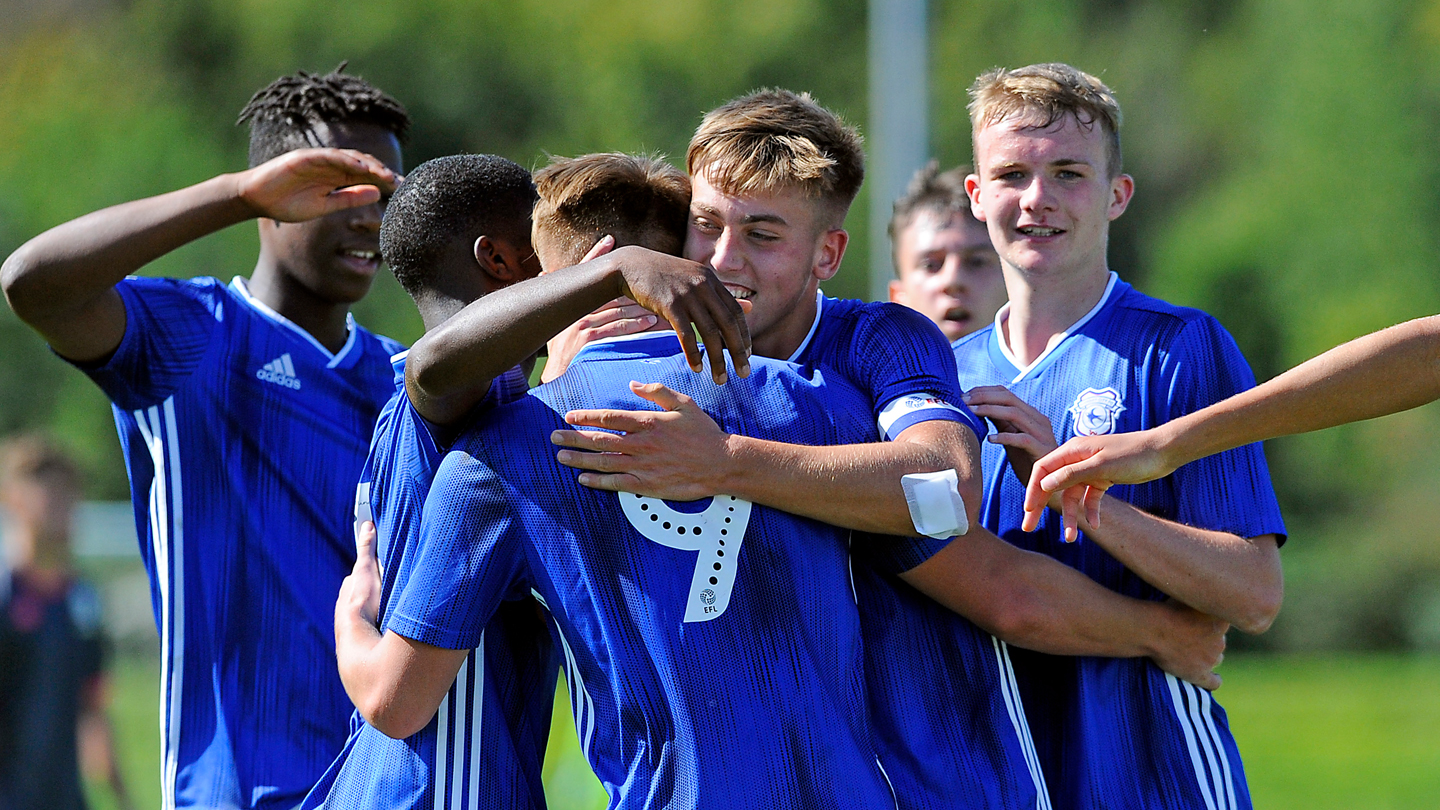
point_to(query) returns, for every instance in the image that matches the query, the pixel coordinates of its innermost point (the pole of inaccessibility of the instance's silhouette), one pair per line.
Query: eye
(764, 236)
(1068, 174)
(704, 225)
(1011, 176)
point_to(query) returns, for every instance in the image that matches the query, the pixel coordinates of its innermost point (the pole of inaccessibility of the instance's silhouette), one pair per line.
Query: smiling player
(1079, 349)
(244, 412)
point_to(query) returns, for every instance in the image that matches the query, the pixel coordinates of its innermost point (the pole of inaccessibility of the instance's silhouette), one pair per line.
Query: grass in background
(1332, 731)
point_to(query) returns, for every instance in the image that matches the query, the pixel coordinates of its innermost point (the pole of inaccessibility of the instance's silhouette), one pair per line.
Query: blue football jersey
(713, 647)
(950, 725)
(1119, 732)
(243, 437)
(486, 744)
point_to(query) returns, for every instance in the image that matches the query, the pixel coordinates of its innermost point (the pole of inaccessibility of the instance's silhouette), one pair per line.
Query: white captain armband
(902, 412)
(936, 508)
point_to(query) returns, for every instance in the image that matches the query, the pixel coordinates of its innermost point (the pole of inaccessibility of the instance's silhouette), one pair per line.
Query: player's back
(712, 648)
(485, 747)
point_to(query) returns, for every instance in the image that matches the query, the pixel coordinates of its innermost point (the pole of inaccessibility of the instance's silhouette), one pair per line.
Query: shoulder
(976, 341)
(1136, 310)
(379, 344)
(210, 293)
(869, 322)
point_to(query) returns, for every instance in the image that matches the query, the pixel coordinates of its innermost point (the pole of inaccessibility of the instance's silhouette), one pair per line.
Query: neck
(1043, 307)
(437, 308)
(782, 341)
(324, 320)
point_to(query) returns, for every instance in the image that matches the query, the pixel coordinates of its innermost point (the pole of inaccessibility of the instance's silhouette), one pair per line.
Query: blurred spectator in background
(52, 684)
(945, 266)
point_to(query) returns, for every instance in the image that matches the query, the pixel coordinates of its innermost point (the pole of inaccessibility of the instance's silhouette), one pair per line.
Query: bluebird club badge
(1095, 411)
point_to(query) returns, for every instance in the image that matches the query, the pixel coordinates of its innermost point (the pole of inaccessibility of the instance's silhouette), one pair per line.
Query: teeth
(740, 293)
(367, 255)
(1036, 230)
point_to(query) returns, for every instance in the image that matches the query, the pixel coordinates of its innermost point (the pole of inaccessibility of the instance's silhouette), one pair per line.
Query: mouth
(364, 261)
(1039, 231)
(958, 315)
(740, 293)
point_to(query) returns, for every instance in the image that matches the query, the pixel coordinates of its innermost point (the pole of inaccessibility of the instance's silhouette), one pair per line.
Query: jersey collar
(241, 286)
(1000, 351)
(805, 344)
(644, 344)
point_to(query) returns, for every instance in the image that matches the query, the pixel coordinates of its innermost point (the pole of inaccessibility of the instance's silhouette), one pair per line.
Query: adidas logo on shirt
(280, 371)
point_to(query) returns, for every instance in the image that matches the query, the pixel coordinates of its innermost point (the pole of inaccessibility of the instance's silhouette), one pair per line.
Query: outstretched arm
(680, 453)
(1234, 578)
(1382, 373)
(396, 683)
(62, 282)
(1035, 602)
(449, 369)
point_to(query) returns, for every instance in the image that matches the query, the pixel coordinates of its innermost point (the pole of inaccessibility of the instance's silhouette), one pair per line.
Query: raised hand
(677, 454)
(1191, 646)
(309, 183)
(690, 296)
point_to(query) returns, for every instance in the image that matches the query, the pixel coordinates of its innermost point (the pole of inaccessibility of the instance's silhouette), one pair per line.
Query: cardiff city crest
(1095, 411)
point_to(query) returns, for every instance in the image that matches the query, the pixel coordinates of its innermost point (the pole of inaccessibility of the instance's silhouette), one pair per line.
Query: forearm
(59, 272)
(1233, 578)
(1392, 370)
(449, 369)
(1032, 601)
(855, 486)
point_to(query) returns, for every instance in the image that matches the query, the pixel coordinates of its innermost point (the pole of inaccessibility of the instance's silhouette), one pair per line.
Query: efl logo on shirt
(280, 371)
(1096, 410)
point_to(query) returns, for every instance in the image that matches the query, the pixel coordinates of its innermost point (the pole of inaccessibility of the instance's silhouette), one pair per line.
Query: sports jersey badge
(1096, 410)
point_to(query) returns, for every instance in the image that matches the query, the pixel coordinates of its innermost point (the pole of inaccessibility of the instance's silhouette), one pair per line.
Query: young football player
(244, 412)
(945, 266)
(1080, 351)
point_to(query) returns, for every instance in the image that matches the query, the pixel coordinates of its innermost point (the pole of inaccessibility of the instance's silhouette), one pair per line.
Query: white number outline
(716, 533)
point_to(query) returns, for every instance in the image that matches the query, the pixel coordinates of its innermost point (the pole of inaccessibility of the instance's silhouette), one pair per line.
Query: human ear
(1122, 188)
(897, 293)
(832, 250)
(972, 189)
(494, 262)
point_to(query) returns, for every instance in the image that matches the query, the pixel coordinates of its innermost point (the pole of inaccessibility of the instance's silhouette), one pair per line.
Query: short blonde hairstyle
(774, 140)
(639, 200)
(1041, 95)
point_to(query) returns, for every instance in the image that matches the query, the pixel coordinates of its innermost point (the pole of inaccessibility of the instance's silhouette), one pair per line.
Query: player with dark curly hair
(244, 413)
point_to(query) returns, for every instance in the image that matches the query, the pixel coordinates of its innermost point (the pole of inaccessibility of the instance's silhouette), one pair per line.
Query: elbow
(392, 718)
(17, 281)
(1261, 609)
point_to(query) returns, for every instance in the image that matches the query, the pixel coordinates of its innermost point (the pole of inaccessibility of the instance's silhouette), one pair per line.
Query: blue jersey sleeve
(169, 325)
(908, 368)
(471, 557)
(1229, 491)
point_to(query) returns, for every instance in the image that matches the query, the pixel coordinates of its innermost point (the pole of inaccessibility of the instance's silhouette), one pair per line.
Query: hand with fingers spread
(616, 318)
(1080, 471)
(691, 298)
(678, 453)
(309, 183)
(359, 600)
(1191, 645)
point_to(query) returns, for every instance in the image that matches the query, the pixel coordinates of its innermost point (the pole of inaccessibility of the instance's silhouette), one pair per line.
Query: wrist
(732, 471)
(233, 190)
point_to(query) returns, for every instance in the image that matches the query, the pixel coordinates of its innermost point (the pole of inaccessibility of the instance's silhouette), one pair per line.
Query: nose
(726, 254)
(1036, 196)
(366, 218)
(952, 273)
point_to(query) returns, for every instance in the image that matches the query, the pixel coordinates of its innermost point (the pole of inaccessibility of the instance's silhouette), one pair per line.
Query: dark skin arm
(62, 282)
(449, 370)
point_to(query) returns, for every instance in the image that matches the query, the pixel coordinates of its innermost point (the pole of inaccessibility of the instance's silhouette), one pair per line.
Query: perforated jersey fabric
(712, 668)
(486, 744)
(243, 438)
(1121, 732)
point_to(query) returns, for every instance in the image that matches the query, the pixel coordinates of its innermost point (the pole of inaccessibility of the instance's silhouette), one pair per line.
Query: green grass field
(1339, 731)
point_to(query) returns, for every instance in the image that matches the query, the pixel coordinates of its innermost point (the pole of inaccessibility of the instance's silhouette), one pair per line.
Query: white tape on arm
(936, 508)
